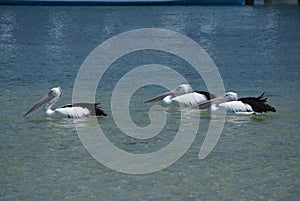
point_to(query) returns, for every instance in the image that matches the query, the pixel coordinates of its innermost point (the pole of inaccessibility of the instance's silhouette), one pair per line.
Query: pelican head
(231, 96)
(56, 92)
(183, 89)
(51, 97)
(180, 90)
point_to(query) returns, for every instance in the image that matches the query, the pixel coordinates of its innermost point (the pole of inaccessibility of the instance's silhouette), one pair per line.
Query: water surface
(256, 49)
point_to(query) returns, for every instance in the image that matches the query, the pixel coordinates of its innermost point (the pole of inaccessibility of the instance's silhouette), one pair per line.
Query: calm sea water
(256, 49)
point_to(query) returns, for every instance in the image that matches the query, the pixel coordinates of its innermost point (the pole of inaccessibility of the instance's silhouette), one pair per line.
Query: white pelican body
(233, 105)
(183, 95)
(76, 110)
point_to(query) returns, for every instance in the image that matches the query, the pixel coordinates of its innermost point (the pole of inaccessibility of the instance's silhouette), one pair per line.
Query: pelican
(234, 105)
(76, 110)
(183, 95)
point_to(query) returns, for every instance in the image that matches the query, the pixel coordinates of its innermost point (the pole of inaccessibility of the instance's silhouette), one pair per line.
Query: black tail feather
(258, 104)
(99, 111)
(261, 96)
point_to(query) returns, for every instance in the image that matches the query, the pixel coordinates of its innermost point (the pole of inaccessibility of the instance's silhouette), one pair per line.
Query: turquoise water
(256, 49)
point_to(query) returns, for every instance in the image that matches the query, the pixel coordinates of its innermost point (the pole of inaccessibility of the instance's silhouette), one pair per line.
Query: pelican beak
(208, 103)
(161, 96)
(39, 103)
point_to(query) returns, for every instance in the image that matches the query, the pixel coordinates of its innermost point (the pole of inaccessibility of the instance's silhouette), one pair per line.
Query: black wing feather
(94, 108)
(208, 95)
(258, 104)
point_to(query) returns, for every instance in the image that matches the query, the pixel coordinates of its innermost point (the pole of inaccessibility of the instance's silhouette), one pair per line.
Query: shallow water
(256, 49)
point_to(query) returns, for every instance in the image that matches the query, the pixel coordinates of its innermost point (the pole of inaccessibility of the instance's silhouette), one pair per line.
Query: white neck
(213, 108)
(168, 99)
(49, 105)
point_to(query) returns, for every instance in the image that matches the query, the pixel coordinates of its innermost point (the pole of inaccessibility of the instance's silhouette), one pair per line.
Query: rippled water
(256, 49)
